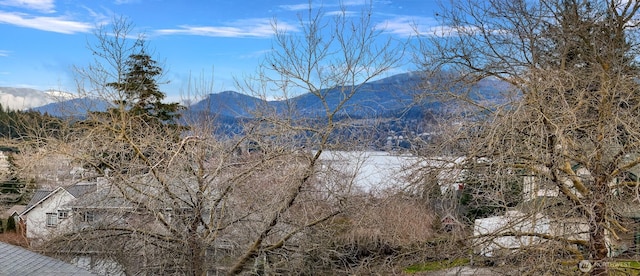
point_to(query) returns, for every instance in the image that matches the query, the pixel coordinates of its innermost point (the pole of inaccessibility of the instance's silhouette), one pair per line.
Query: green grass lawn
(619, 267)
(436, 265)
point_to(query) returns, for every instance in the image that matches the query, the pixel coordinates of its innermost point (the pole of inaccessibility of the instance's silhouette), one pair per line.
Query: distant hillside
(372, 100)
(388, 111)
(73, 108)
(389, 97)
(228, 104)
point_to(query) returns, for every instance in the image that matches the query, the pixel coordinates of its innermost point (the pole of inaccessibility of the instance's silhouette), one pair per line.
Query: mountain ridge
(386, 97)
(372, 99)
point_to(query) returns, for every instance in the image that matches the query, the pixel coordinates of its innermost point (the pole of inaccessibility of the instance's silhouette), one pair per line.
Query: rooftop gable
(15, 209)
(78, 190)
(38, 197)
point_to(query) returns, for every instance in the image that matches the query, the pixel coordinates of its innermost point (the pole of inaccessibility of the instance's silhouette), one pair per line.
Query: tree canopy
(572, 120)
(141, 94)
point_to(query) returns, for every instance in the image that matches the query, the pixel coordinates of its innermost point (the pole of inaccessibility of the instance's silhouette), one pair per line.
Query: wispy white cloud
(45, 6)
(355, 2)
(305, 6)
(255, 54)
(58, 24)
(122, 2)
(101, 18)
(406, 26)
(4, 53)
(295, 7)
(340, 13)
(254, 28)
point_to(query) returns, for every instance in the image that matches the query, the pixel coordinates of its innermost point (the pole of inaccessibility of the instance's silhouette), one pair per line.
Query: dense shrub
(11, 224)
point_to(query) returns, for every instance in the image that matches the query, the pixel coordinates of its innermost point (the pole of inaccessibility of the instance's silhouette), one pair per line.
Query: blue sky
(43, 39)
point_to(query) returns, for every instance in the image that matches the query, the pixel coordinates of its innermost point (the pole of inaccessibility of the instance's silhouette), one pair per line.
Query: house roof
(16, 260)
(15, 209)
(77, 190)
(127, 195)
(102, 199)
(81, 189)
(38, 196)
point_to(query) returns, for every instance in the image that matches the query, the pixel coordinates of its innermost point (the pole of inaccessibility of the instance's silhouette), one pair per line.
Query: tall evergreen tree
(137, 112)
(141, 95)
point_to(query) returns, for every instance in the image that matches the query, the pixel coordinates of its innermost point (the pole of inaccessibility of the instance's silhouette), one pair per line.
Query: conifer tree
(141, 95)
(11, 224)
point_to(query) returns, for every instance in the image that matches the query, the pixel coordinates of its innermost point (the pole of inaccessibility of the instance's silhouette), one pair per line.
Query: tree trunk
(196, 247)
(598, 246)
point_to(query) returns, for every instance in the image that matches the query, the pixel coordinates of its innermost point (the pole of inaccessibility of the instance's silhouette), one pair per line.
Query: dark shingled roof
(16, 260)
(77, 191)
(81, 189)
(37, 196)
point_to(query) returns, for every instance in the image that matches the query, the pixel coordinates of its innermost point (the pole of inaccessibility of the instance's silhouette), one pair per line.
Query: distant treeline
(25, 124)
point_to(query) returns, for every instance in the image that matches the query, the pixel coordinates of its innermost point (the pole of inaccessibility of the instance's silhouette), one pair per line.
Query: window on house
(88, 217)
(52, 219)
(63, 214)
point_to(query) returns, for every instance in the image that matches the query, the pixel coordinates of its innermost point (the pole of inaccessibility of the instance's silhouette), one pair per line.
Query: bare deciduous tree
(236, 203)
(331, 59)
(566, 137)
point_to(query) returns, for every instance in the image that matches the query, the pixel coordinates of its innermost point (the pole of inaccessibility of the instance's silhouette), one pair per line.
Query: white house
(47, 215)
(515, 229)
(540, 215)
